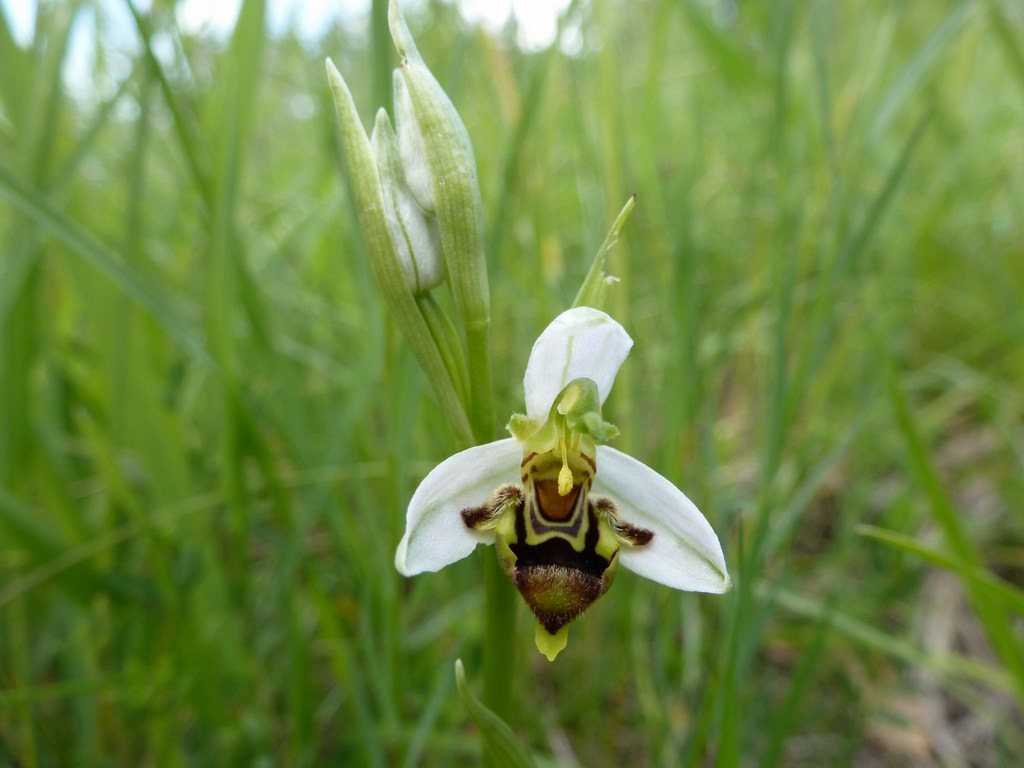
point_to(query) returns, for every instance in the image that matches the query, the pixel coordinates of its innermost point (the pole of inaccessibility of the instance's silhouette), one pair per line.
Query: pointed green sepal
(594, 290)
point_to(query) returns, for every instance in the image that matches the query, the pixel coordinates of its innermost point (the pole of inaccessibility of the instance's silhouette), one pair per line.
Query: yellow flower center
(565, 478)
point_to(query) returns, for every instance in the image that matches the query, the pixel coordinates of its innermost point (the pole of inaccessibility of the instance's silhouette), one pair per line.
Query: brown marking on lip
(474, 517)
(627, 532)
(590, 461)
(486, 516)
(528, 459)
(557, 582)
(553, 506)
(557, 594)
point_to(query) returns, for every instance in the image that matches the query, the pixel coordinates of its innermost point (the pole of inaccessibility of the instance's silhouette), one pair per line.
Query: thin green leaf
(950, 666)
(501, 747)
(196, 153)
(594, 291)
(87, 247)
(785, 719)
(997, 625)
(857, 242)
(919, 66)
(1007, 37)
(999, 589)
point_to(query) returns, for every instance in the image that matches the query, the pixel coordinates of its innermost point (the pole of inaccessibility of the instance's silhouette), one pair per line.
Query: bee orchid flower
(562, 508)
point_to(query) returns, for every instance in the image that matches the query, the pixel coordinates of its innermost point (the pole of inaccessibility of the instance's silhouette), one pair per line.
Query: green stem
(499, 640)
(478, 345)
(499, 634)
(446, 338)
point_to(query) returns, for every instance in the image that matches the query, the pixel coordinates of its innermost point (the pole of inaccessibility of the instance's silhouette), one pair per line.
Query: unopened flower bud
(411, 148)
(403, 251)
(440, 169)
(416, 238)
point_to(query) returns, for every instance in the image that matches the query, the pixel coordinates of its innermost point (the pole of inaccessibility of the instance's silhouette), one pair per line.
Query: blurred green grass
(209, 431)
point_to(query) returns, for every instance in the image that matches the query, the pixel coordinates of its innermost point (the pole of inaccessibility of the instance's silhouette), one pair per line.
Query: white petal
(580, 342)
(685, 552)
(435, 535)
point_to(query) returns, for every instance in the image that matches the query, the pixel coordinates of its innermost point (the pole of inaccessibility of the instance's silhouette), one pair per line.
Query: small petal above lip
(435, 535)
(580, 343)
(685, 552)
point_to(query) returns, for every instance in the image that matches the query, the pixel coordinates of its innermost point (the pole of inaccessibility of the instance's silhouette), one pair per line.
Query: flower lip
(557, 594)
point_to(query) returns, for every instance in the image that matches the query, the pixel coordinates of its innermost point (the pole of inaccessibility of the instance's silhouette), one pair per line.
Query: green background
(209, 431)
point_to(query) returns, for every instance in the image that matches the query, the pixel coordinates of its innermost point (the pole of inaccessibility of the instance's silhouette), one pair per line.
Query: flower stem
(499, 637)
(499, 633)
(481, 407)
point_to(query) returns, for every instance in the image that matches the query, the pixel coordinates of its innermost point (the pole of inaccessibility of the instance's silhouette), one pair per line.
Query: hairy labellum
(560, 550)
